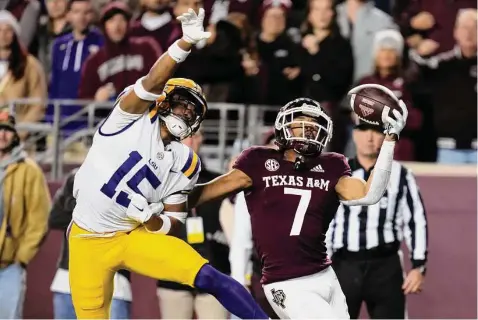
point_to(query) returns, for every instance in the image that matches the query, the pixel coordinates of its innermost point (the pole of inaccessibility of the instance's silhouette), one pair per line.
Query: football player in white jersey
(135, 164)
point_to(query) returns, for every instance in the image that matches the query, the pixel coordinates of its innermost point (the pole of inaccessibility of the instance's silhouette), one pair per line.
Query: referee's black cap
(363, 126)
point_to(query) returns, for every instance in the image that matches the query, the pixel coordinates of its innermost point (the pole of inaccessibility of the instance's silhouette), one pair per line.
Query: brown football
(373, 103)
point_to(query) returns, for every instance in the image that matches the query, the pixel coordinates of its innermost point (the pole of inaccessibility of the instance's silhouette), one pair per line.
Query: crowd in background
(260, 52)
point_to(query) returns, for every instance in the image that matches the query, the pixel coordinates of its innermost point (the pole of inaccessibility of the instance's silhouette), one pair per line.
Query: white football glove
(140, 211)
(192, 25)
(393, 126)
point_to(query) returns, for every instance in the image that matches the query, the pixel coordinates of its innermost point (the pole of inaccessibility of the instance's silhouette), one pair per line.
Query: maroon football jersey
(291, 210)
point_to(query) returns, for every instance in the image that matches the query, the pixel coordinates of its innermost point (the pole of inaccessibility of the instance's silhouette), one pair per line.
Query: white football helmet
(316, 134)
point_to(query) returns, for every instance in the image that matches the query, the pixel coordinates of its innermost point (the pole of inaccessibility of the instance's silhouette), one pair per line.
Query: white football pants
(317, 296)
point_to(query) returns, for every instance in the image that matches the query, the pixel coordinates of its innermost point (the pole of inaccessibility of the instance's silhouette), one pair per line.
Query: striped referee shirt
(399, 214)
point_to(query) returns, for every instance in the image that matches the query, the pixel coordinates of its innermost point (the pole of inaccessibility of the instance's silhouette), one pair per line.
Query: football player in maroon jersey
(292, 194)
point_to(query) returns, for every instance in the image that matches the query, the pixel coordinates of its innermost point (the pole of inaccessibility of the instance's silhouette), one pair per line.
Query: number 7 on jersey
(305, 196)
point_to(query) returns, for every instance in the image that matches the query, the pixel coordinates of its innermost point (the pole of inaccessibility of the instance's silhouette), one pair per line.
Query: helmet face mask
(182, 108)
(302, 125)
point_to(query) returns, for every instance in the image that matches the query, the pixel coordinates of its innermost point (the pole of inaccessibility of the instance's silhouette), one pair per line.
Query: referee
(364, 241)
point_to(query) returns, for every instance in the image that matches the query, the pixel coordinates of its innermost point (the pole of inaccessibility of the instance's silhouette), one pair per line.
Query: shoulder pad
(187, 161)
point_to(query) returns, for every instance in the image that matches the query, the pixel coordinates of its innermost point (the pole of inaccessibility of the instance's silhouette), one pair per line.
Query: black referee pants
(377, 282)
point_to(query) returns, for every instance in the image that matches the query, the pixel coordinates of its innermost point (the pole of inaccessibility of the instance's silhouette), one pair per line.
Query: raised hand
(192, 25)
(395, 126)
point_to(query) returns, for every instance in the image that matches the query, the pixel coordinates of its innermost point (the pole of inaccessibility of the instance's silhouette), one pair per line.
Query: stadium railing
(224, 125)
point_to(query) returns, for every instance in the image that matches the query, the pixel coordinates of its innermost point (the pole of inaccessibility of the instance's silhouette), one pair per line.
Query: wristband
(165, 228)
(176, 53)
(142, 93)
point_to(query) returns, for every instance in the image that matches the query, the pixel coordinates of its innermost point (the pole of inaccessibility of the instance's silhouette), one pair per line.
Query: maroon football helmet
(315, 134)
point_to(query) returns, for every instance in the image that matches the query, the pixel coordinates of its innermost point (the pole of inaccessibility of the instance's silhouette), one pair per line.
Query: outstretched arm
(230, 183)
(353, 191)
(149, 88)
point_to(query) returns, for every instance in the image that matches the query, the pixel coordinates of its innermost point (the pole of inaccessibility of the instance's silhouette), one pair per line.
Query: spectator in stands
(120, 61)
(215, 10)
(327, 66)
(27, 12)
(327, 59)
(223, 78)
(358, 21)
(452, 76)
(428, 24)
(178, 301)
(157, 21)
(60, 218)
(182, 6)
(219, 9)
(21, 75)
(24, 207)
(68, 55)
(249, 91)
(388, 49)
(52, 26)
(279, 56)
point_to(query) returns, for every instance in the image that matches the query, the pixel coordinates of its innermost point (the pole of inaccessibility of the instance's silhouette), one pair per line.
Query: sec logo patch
(272, 165)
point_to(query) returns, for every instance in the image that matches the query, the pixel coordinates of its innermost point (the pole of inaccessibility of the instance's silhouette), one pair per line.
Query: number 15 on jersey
(145, 172)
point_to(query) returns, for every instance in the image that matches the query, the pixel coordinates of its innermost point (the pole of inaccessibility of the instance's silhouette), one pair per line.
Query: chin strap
(299, 163)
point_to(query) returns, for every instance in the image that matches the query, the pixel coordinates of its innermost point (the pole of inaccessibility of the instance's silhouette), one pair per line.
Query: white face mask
(286, 120)
(176, 126)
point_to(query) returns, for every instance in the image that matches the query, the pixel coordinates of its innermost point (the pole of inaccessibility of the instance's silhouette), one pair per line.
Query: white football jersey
(128, 156)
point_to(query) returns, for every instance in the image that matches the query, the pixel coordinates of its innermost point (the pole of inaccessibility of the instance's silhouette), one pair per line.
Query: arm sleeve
(241, 243)
(63, 205)
(431, 62)
(37, 205)
(415, 222)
